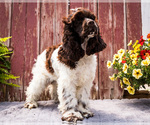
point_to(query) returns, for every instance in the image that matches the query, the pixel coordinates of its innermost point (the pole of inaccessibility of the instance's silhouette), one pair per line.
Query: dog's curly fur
(70, 67)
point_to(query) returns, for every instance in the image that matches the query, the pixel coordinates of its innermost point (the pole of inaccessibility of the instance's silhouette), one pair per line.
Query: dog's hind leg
(36, 87)
(53, 91)
(38, 83)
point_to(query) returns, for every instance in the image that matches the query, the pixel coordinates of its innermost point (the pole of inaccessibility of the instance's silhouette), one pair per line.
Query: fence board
(118, 38)
(74, 4)
(48, 25)
(31, 44)
(105, 23)
(134, 21)
(5, 15)
(61, 11)
(18, 43)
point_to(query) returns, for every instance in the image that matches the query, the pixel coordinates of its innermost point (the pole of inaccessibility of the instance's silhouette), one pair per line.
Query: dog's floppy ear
(71, 45)
(95, 45)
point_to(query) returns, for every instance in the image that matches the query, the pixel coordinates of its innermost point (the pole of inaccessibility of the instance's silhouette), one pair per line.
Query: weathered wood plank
(134, 21)
(61, 11)
(105, 23)
(31, 44)
(18, 43)
(118, 38)
(48, 25)
(5, 24)
(74, 4)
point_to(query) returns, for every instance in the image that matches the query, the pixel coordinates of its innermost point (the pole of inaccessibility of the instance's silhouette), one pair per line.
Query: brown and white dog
(70, 67)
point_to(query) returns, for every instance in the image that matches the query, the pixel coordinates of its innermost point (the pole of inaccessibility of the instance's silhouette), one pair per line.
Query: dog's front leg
(83, 94)
(68, 101)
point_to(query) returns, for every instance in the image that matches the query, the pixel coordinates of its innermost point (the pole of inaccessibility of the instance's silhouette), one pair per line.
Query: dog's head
(81, 34)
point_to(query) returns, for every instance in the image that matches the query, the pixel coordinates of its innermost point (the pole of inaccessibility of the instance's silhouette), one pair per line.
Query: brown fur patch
(49, 52)
(61, 57)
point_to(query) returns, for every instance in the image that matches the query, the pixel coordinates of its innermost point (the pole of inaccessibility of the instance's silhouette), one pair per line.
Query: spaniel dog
(70, 67)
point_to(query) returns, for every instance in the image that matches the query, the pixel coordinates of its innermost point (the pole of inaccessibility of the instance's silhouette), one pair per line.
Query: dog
(69, 67)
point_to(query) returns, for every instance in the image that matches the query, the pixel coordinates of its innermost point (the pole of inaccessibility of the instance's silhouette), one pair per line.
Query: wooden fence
(35, 26)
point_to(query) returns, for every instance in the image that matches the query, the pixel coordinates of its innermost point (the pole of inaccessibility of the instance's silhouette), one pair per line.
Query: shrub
(133, 66)
(5, 76)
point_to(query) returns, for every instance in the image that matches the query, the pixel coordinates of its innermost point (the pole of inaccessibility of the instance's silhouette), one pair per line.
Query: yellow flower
(126, 81)
(109, 64)
(137, 73)
(121, 83)
(137, 48)
(145, 62)
(131, 90)
(112, 78)
(130, 43)
(125, 67)
(120, 60)
(148, 58)
(116, 56)
(134, 62)
(121, 52)
(133, 56)
(135, 43)
(131, 51)
(114, 61)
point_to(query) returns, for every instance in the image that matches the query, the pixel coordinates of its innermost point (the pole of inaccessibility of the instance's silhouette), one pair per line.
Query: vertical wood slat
(31, 41)
(18, 43)
(74, 4)
(48, 21)
(61, 12)
(5, 15)
(134, 21)
(118, 40)
(105, 23)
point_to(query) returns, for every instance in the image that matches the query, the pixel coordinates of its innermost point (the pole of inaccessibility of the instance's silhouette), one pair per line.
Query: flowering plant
(133, 66)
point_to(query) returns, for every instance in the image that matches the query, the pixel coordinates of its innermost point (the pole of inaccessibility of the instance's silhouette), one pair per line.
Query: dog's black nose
(90, 23)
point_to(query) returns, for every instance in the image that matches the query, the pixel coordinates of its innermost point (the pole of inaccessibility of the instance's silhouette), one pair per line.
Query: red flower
(144, 53)
(123, 61)
(148, 36)
(141, 41)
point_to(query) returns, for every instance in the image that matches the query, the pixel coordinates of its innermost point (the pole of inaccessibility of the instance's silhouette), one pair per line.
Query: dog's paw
(87, 114)
(30, 105)
(72, 116)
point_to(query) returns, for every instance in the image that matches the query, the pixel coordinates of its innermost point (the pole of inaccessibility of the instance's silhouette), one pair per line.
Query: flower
(109, 64)
(137, 48)
(131, 90)
(123, 61)
(137, 73)
(143, 54)
(116, 56)
(126, 81)
(133, 56)
(145, 62)
(125, 67)
(135, 43)
(148, 36)
(134, 62)
(141, 41)
(121, 52)
(121, 83)
(130, 43)
(112, 78)
(131, 51)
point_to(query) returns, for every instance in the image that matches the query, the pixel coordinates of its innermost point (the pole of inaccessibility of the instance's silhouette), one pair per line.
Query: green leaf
(10, 84)
(4, 39)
